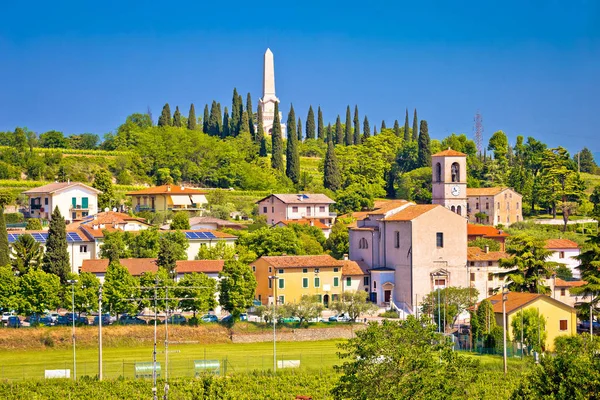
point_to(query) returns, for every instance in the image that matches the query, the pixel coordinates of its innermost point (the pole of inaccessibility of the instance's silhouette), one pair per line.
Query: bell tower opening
(449, 182)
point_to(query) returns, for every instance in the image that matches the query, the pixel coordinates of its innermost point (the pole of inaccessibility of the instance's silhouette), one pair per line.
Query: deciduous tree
(119, 286)
(236, 287)
(181, 221)
(39, 292)
(198, 293)
(103, 182)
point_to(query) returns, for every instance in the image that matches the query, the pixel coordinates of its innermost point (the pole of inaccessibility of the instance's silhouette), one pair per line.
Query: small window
(472, 263)
(317, 282)
(348, 281)
(517, 205)
(490, 277)
(490, 292)
(374, 284)
(561, 254)
(259, 297)
(83, 248)
(397, 239)
(498, 205)
(563, 292)
(46, 201)
(281, 283)
(472, 276)
(489, 263)
(295, 209)
(272, 209)
(363, 244)
(270, 269)
(334, 297)
(253, 268)
(487, 206)
(281, 300)
(336, 269)
(439, 239)
(336, 281)
(280, 271)
(321, 208)
(265, 210)
(366, 281)
(316, 270)
(477, 206)
(563, 324)
(304, 270)
(304, 283)
(270, 284)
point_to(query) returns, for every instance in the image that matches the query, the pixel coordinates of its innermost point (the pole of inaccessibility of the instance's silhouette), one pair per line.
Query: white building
(287, 207)
(73, 199)
(564, 252)
(482, 266)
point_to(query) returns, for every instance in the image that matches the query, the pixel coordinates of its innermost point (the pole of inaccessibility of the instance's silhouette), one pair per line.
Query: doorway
(326, 301)
(387, 296)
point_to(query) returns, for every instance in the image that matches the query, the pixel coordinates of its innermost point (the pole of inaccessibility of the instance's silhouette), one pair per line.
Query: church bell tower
(449, 180)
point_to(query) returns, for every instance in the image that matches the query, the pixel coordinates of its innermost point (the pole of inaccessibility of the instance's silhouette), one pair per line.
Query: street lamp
(504, 299)
(274, 279)
(72, 282)
(100, 332)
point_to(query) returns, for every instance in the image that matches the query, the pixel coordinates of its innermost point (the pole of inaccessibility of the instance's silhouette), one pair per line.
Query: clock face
(455, 190)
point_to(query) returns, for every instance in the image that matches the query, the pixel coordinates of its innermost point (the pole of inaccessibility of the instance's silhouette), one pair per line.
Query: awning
(198, 198)
(183, 200)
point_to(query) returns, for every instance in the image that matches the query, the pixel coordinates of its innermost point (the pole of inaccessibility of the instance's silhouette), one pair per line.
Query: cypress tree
(374, 130)
(407, 136)
(205, 119)
(424, 146)
(292, 157)
(366, 128)
(310, 124)
(260, 131)
(226, 124)
(220, 121)
(331, 173)
(276, 142)
(390, 191)
(235, 114)
(320, 126)
(299, 130)
(165, 116)
(5, 198)
(56, 256)
(177, 118)
(383, 125)
(396, 128)
(249, 110)
(415, 126)
(213, 121)
(356, 126)
(329, 132)
(349, 139)
(245, 125)
(339, 132)
(241, 115)
(191, 122)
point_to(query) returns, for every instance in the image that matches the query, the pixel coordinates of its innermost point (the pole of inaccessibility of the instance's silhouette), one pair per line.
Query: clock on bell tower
(449, 180)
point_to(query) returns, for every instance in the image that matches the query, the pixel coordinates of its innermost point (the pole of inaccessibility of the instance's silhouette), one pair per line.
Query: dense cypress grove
(396, 128)
(235, 114)
(56, 256)
(191, 122)
(245, 125)
(383, 125)
(320, 126)
(165, 116)
(292, 156)
(260, 133)
(226, 124)
(205, 118)
(249, 109)
(177, 118)
(331, 173)
(407, 135)
(214, 120)
(4, 250)
(424, 146)
(415, 126)
(310, 124)
(366, 128)
(349, 138)
(339, 132)
(276, 142)
(299, 129)
(356, 126)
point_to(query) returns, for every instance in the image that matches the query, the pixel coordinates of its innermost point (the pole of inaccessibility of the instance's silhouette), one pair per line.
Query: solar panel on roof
(40, 237)
(73, 237)
(190, 235)
(12, 238)
(210, 235)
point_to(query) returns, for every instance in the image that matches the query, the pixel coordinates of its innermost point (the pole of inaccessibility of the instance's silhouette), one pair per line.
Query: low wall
(299, 335)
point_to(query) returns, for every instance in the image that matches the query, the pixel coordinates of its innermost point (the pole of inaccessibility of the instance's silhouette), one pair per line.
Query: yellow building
(168, 197)
(561, 319)
(288, 278)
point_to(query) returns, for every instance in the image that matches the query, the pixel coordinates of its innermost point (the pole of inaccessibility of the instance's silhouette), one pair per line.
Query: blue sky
(530, 67)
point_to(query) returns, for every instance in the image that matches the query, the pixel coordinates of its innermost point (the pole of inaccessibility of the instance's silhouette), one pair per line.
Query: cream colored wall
(194, 246)
(356, 283)
(63, 200)
(76, 257)
(442, 191)
(356, 253)
(482, 283)
(509, 212)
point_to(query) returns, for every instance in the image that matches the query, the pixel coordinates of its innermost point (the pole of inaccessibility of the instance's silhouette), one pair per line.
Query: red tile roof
(412, 212)
(354, 268)
(302, 261)
(315, 222)
(205, 266)
(387, 206)
(476, 254)
(449, 152)
(137, 266)
(516, 300)
(562, 283)
(300, 198)
(485, 230)
(167, 189)
(491, 191)
(57, 186)
(554, 244)
(106, 218)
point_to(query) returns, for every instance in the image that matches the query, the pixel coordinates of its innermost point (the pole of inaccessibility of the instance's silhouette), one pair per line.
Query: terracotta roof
(516, 300)
(561, 244)
(302, 261)
(300, 198)
(412, 212)
(354, 268)
(137, 266)
(106, 218)
(449, 152)
(476, 254)
(364, 228)
(491, 191)
(220, 223)
(57, 186)
(167, 189)
(485, 230)
(387, 206)
(562, 283)
(316, 223)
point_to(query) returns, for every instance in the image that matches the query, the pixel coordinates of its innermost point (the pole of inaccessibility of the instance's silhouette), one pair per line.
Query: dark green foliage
(276, 142)
(249, 110)
(56, 257)
(349, 138)
(320, 126)
(366, 128)
(396, 128)
(424, 145)
(26, 254)
(214, 121)
(165, 116)
(172, 247)
(103, 182)
(383, 125)
(585, 160)
(260, 133)
(339, 132)
(236, 113)
(177, 118)
(407, 135)
(292, 169)
(355, 197)
(245, 125)
(191, 122)
(53, 140)
(331, 173)
(310, 124)
(329, 132)
(357, 137)
(205, 119)
(374, 130)
(484, 331)
(595, 199)
(181, 221)
(482, 243)
(227, 124)
(4, 249)
(299, 130)
(415, 126)
(237, 286)
(33, 224)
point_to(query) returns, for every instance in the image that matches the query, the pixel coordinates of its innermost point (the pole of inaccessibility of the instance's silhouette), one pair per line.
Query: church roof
(449, 152)
(412, 212)
(490, 191)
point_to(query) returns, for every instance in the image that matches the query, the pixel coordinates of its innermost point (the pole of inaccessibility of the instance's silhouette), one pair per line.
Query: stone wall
(299, 335)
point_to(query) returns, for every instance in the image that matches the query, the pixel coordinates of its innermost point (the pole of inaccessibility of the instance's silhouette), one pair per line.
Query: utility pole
(100, 333)
(154, 390)
(504, 298)
(166, 343)
(73, 282)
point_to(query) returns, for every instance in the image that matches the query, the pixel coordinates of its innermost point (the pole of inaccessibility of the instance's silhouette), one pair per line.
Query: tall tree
(237, 285)
(374, 131)
(5, 199)
(299, 130)
(227, 124)
(172, 247)
(205, 119)
(39, 292)
(276, 142)
(165, 116)
(119, 286)
(310, 124)
(329, 132)
(331, 173)
(357, 138)
(320, 126)
(197, 291)
(292, 169)
(103, 182)
(236, 113)
(214, 120)
(585, 160)
(589, 268)
(245, 125)
(407, 135)
(177, 118)
(424, 146)
(339, 132)
(56, 257)
(220, 120)
(250, 111)
(260, 133)
(191, 122)
(366, 128)
(349, 138)
(415, 126)
(396, 128)
(383, 125)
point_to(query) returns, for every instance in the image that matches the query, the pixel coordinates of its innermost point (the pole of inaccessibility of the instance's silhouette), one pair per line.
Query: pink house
(286, 207)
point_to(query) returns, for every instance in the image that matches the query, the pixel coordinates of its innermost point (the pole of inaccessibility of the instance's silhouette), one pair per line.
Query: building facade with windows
(494, 206)
(564, 252)
(482, 266)
(168, 198)
(286, 207)
(73, 199)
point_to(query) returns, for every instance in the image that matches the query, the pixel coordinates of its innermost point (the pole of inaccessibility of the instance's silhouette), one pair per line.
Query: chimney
(168, 188)
(345, 257)
(487, 249)
(312, 222)
(182, 187)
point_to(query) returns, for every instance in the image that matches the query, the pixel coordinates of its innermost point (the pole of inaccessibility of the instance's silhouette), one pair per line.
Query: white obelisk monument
(268, 100)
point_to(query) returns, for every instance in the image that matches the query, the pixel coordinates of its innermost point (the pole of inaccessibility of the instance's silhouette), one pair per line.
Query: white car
(6, 315)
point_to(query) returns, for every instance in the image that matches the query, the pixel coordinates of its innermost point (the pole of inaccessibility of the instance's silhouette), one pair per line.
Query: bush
(14, 218)
(389, 314)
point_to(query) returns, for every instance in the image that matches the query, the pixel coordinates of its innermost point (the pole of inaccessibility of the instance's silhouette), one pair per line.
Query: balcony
(79, 208)
(35, 206)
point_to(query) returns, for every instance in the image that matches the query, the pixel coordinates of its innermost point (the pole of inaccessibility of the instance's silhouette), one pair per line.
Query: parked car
(13, 322)
(227, 319)
(339, 318)
(46, 320)
(54, 317)
(6, 315)
(131, 320)
(37, 319)
(584, 326)
(177, 319)
(289, 320)
(63, 320)
(105, 319)
(209, 318)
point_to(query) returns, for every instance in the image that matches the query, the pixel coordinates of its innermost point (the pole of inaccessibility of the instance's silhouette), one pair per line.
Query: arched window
(455, 172)
(459, 210)
(438, 172)
(453, 209)
(363, 244)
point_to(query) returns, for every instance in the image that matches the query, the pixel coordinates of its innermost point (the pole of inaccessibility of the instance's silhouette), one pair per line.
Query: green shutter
(336, 281)
(74, 202)
(348, 281)
(84, 202)
(281, 284)
(304, 282)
